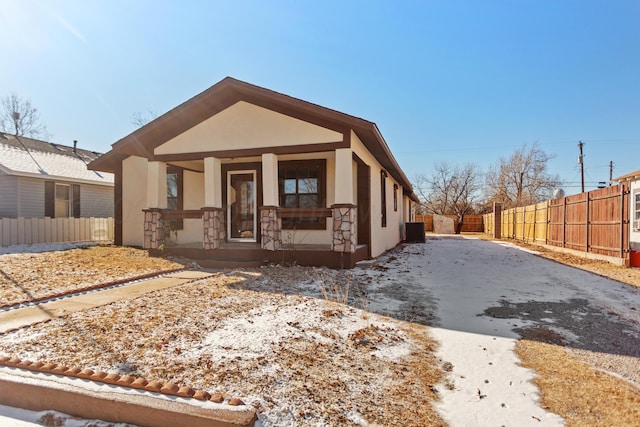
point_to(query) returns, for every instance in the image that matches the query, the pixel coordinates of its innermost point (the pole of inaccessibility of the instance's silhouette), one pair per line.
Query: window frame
(68, 200)
(636, 211)
(51, 197)
(383, 197)
(297, 223)
(395, 197)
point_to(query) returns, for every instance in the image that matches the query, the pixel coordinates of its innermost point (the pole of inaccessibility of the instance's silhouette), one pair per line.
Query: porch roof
(227, 92)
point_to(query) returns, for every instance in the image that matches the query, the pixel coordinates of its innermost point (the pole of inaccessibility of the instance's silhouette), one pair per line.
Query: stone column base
(344, 228)
(153, 229)
(270, 228)
(213, 227)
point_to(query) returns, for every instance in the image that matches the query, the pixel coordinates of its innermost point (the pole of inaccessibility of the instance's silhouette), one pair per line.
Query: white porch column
(343, 210)
(212, 182)
(270, 179)
(270, 224)
(157, 185)
(156, 200)
(344, 176)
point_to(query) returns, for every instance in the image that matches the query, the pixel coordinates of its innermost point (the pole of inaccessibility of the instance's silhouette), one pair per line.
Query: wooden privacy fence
(471, 223)
(595, 222)
(29, 231)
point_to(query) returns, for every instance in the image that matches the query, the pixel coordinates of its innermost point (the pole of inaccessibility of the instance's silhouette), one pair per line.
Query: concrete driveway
(479, 296)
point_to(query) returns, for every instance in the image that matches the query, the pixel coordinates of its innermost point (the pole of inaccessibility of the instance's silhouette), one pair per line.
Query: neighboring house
(43, 179)
(632, 180)
(240, 171)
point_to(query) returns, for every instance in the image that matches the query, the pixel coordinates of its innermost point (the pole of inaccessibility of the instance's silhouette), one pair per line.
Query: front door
(241, 206)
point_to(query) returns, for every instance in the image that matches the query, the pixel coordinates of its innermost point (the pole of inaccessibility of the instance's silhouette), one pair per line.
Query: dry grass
(35, 276)
(298, 360)
(576, 391)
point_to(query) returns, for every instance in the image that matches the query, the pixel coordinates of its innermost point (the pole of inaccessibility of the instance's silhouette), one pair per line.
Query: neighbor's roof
(633, 176)
(29, 157)
(224, 94)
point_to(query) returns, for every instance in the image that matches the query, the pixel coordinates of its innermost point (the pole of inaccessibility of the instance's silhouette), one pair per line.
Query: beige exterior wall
(244, 125)
(134, 178)
(382, 238)
(193, 199)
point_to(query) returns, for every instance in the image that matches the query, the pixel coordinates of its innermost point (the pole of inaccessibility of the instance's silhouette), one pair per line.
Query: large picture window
(301, 185)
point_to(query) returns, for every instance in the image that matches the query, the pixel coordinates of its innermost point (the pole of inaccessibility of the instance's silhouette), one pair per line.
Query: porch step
(230, 263)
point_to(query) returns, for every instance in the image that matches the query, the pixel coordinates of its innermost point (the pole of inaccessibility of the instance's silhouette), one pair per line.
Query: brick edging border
(127, 381)
(94, 287)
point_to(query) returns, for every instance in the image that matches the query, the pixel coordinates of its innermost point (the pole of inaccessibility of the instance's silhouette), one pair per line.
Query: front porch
(241, 254)
(217, 251)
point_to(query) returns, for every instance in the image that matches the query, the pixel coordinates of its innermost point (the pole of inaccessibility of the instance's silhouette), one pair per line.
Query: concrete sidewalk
(21, 317)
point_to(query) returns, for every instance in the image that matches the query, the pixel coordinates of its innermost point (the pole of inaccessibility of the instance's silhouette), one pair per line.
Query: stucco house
(243, 172)
(42, 179)
(632, 180)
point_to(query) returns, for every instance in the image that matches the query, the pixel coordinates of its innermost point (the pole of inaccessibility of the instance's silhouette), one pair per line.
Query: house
(43, 179)
(632, 180)
(243, 172)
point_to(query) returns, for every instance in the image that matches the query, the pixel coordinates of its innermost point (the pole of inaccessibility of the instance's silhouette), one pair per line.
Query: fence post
(587, 223)
(564, 222)
(548, 229)
(623, 208)
(497, 219)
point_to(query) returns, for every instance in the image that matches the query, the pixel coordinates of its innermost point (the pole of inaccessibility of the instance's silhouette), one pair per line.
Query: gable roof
(30, 157)
(633, 176)
(229, 91)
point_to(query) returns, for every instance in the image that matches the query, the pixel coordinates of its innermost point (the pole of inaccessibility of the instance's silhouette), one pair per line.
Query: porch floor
(250, 254)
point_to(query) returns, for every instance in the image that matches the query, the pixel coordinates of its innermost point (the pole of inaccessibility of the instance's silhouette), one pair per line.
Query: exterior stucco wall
(134, 200)
(193, 190)
(244, 125)
(382, 238)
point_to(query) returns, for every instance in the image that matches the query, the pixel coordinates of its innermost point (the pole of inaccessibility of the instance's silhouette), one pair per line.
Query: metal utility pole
(580, 145)
(610, 172)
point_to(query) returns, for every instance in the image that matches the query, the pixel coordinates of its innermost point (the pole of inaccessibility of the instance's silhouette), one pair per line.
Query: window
(395, 197)
(175, 194)
(383, 196)
(301, 185)
(636, 211)
(61, 200)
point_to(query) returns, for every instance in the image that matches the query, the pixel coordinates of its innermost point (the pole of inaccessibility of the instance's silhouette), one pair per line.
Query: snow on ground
(43, 247)
(16, 417)
(475, 286)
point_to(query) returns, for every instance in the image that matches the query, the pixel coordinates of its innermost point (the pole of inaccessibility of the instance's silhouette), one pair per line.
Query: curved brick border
(94, 287)
(128, 381)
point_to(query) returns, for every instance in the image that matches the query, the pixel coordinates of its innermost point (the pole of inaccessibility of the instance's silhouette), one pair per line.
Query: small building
(632, 180)
(42, 179)
(240, 171)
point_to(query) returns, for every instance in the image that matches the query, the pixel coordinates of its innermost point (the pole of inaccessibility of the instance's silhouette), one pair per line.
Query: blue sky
(455, 81)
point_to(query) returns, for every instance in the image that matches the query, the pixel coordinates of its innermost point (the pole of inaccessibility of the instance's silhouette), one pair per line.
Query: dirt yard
(36, 276)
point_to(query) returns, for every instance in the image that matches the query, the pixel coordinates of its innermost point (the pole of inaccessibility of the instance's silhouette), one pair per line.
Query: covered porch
(255, 210)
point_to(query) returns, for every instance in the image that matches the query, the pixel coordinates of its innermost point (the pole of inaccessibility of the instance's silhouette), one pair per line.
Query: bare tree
(521, 179)
(140, 119)
(19, 117)
(451, 190)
